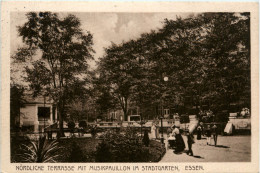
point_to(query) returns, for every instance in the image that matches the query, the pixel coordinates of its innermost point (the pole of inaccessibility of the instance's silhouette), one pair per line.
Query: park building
(36, 114)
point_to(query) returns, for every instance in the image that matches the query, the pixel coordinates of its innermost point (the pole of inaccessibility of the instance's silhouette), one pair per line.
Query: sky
(105, 27)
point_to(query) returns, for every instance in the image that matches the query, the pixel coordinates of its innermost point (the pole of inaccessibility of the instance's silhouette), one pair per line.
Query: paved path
(229, 149)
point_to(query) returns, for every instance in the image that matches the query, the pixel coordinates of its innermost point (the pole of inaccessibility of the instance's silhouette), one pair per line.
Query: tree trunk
(125, 109)
(60, 114)
(125, 114)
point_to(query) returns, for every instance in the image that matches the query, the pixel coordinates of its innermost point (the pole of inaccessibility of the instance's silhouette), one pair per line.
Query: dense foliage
(205, 57)
(127, 147)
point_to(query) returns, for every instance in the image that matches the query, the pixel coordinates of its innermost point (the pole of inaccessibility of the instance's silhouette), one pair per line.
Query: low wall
(241, 123)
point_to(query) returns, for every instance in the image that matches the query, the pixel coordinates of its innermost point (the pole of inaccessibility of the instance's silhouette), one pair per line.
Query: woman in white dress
(153, 132)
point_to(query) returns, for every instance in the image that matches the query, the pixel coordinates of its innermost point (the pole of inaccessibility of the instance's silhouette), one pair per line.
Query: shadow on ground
(220, 146)
(178, 152)
(185, 152)
(199, 157)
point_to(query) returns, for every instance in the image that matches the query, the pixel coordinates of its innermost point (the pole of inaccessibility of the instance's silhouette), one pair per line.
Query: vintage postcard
(129, 87)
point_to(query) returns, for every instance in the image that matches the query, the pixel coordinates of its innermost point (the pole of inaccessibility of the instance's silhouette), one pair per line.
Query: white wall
(28, 115)
(241, 123)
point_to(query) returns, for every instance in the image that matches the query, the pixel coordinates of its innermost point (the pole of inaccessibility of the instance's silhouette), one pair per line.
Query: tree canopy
(206, 58)
(57, 50)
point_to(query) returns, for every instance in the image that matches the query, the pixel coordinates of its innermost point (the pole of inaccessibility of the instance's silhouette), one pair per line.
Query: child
(208, 134)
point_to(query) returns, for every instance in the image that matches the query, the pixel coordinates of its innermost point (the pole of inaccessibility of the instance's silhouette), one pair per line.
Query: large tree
(206, 58)
(117, 66)
(227, 45)
(100, 92)
(58, 50)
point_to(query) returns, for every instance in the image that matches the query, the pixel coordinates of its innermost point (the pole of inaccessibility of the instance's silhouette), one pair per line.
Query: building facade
(37, 114)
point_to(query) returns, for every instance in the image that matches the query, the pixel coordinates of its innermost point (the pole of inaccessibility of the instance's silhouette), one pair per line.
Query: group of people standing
(176, 141)
(209, 132)
(174, 134)
(154, 131)
(179, 142)
(212, 131)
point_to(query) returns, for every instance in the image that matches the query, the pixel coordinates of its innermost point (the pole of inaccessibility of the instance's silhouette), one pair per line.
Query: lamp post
(162, 112)
(44, 97)
(162, 139)
(165, 79)
(44, 106)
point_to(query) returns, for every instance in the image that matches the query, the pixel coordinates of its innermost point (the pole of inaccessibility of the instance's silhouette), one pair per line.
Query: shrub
(18, 140)
(126, 147)
(146, 138)
(40, 151)
(71, 125)
(83, 124)
(76, 154)
(103, 153)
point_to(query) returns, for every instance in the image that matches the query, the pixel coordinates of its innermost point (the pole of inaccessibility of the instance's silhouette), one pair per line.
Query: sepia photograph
(130, 87)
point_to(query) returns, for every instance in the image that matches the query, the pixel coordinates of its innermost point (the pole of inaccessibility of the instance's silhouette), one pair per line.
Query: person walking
(208, 134)
(180, 145)
(153, 131)
(199, 131)
(215, 133)
(190, 141)
(171, 138)
(157, 130)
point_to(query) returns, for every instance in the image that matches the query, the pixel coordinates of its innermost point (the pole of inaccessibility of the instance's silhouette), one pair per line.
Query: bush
(71, 125)
(146, 138)
(76, 154)
(83, 124)
(126, 147)
(40, 151)
(103, 153)
(78, 149)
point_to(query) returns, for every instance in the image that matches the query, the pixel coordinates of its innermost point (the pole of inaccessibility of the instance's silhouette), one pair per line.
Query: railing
(51, 127)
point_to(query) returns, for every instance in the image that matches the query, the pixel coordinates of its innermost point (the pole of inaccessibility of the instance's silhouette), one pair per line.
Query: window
(166, 111)
(53, 114)
(114, 115)
(134, 118)
(43, 113)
